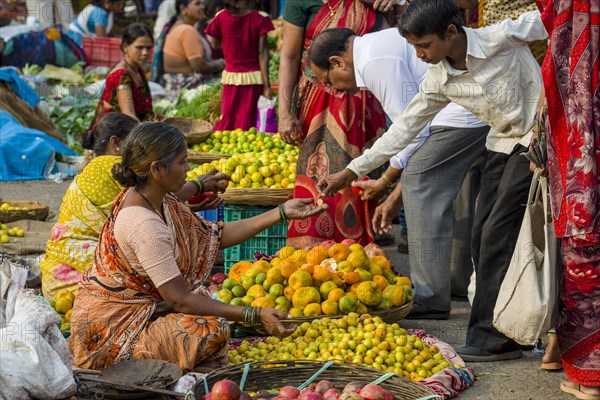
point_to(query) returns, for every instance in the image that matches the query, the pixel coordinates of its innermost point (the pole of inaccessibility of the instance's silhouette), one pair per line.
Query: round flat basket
(393, 315)
(199, 157)
(24, 210)
(195, 130)
(263, 377)
(257, 196)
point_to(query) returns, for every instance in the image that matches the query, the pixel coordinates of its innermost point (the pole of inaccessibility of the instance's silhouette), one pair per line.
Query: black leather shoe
(473, 354)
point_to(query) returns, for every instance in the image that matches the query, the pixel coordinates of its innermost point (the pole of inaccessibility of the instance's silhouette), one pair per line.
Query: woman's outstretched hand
(270, 320)
(302, 208)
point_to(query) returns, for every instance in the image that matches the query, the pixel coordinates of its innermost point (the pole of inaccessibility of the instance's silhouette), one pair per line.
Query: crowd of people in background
(356, 95)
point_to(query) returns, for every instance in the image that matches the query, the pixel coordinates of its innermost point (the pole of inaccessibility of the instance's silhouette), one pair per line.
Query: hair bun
(125, 176)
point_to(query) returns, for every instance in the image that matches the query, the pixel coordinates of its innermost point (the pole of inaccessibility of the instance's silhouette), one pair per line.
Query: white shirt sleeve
(403, 131)
(527, 28)
(394, 86)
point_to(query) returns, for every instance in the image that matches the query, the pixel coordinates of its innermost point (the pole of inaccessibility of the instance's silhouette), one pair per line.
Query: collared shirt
(501, 87)
(387, 65)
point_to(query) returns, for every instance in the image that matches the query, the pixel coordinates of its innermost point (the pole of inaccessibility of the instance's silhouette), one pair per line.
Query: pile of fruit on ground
(330, 279)
(358, 339)
(323, 390)
(6, 231)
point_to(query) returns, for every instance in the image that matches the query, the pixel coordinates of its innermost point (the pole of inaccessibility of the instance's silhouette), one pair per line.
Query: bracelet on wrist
(199, 186)
(282, 213)
(385, 180)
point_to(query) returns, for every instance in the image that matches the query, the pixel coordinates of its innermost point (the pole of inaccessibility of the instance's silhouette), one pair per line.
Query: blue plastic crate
(213, 215)
(268, 241)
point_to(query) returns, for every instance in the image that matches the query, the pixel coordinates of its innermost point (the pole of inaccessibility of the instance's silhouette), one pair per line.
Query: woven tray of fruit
(307, 380)
(200, 157)
(14, 210)
(194, 130)
(257, 196)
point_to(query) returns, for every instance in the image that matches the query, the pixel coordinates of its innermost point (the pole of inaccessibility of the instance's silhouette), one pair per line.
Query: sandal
(575, 390)
(551, 366)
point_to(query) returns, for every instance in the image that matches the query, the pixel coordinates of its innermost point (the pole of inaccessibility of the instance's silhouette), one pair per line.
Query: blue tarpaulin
(25, 153)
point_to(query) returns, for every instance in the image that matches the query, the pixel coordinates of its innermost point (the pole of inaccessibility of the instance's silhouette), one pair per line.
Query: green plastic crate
(268, 241)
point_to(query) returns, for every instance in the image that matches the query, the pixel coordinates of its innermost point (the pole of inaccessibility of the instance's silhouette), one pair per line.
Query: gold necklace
(331, 12)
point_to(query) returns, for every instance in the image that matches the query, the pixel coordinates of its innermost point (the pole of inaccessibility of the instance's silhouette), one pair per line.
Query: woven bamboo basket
(257, 196)
(199, 157)
(266, 376)
(393, 315)
(35, 210)
(195, 130)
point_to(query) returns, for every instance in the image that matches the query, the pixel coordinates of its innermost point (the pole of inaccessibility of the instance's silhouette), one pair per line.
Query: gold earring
(118, 149)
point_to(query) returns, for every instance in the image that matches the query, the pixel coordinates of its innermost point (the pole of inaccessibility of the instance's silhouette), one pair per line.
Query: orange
(312, 310)
(385, 303)
(288, 268)
(338, 251)
(375, 269)
(358, 259)
(403, 280)
(364, 275)
(63, 305)
(286, 251)
(300, 279)
(338, 281)
(239, 268)
(322, 274)
(369, 293)
(263, 302)
(256, 291)
(351, 278)
(382, 261)
(304, 296)
(316, 255)
(335, 295)
(308, 268)
(353, 287)
(381, 281)
(288, 292)
(347, 304)
(361, 309)
(330, 307)
(325, 288)
(296, 312)
(345, 266)
(299, 257)
(356, 247)
(275, 262)
(263, 265)
(396, 294)
(274, 276)
(68, 315)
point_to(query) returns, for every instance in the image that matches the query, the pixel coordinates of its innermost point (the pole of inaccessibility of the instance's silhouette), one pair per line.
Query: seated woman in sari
(126, 89)
(154, 249)
(182, 56)
(85, 207)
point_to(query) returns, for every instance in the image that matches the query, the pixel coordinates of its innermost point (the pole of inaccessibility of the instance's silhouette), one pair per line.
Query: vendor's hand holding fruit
(302, 208)
(214, 181)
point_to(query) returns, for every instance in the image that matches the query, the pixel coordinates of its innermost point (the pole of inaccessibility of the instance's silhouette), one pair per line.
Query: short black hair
(330, 42)
(425, 17)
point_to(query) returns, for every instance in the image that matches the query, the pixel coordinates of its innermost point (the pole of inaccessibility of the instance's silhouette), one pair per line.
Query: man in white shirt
(434, 166)
(492, 73)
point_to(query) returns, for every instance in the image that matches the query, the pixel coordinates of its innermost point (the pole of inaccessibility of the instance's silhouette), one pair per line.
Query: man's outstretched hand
(331, 184)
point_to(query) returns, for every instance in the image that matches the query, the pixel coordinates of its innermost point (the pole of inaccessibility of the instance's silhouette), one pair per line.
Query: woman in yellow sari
(85, 207)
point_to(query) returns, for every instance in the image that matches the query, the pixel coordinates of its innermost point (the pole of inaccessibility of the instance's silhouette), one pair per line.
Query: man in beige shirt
(492, 73)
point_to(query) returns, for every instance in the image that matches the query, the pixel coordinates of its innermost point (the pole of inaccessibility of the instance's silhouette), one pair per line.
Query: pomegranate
(201, 197)
(353, 386)
(218, 278)
(225, 390)
(348, 242)
(324, 386)
(310, 394)
(289, 392)
(374, 250)
(331, 394)
(207, 397)
(327, 244)
(350, 396)
(372, 392)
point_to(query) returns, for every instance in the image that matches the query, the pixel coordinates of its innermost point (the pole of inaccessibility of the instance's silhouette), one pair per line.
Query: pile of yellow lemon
(6, 232)
(8, 207)
(358, 339)
(337, 280)
(239, 141)
(254, 170)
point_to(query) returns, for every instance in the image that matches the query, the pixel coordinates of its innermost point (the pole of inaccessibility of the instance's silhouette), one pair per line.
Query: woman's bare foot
(551, 359)
(579, 391)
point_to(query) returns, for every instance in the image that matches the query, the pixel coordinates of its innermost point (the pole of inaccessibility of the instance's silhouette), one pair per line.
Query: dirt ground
(511, 380)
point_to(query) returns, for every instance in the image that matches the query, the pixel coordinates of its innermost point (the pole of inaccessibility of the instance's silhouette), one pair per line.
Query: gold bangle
(385, 179)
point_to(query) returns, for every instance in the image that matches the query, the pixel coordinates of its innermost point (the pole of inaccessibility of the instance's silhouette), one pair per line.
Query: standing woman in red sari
(571, 73)
(331, 128)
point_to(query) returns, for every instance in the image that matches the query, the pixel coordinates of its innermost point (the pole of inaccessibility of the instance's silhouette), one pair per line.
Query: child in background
(95, 20)
(241, 31)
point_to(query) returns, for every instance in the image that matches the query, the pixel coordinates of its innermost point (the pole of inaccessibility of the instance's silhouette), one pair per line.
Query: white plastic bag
(38, 355)
(266, 119)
